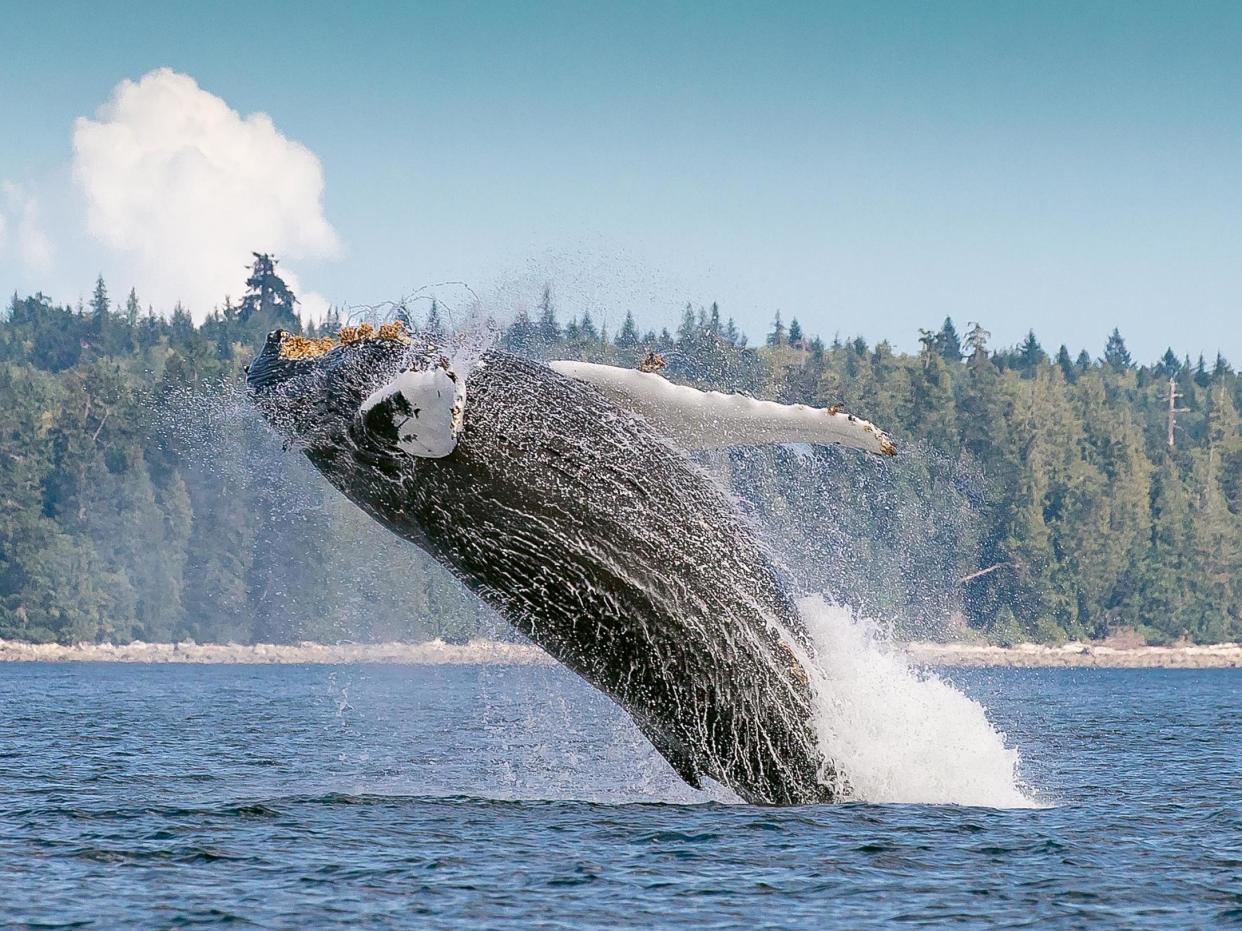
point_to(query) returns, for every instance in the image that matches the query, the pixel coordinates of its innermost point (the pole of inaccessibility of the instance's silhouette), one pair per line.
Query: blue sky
(868, 168)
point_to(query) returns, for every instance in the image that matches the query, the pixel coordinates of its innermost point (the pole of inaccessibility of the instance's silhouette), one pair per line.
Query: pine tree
(687, 331)
(586, 329)
(627, 337)
(777, 336)
(1031, 355)
(268, 300)
(1168, 366)
(947, 342)
(520, 335)
(931, 402)
(100, 305)
(795, 333)
(1066, 365)
(1165, 603)
(713, 321)
(1116, 356)
(1202, 378)
(549, 328)
(433, 326)
(132, 308)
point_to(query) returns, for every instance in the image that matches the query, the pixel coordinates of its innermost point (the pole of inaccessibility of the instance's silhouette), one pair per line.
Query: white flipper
(696, 419)
(426, 409)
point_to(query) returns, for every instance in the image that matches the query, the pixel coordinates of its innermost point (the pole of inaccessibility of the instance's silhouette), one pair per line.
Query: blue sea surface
(297, 796)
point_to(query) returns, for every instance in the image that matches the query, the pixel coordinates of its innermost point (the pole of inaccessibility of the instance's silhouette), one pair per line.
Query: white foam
(900, 734)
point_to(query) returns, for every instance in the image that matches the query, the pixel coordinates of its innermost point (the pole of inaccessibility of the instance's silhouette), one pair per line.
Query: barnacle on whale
(296, 348)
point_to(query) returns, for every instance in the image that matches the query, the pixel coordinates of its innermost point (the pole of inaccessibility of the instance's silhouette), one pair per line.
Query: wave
(900, 734)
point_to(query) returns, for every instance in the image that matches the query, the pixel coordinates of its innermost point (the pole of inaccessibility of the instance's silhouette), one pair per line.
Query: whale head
(315, 392)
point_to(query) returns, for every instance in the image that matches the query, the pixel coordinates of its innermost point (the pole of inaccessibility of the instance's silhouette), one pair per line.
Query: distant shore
(1215, 656)
(498, 653)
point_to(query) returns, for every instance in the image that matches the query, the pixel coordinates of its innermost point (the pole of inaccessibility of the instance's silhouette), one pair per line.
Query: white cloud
(187, 188)
(20, 210)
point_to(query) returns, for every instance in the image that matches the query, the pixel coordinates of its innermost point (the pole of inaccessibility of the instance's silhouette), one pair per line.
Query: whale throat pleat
(696, 419)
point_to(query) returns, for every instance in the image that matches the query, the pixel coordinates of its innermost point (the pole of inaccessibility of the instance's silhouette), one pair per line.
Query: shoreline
(499, 653)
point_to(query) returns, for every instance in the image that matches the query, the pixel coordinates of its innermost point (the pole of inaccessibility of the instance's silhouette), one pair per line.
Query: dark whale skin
(600, 542)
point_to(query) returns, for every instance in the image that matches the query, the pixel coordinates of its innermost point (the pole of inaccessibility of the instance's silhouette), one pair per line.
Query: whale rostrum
(562, 496)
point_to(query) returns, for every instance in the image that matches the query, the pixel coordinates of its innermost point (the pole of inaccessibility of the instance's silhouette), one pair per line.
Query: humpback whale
(562, 495)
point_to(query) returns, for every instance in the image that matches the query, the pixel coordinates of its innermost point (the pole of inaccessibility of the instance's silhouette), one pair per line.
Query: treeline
(1037, 495)
(141, 498)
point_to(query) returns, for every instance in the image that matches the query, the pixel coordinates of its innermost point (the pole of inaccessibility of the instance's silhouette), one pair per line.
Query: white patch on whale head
(437, 403)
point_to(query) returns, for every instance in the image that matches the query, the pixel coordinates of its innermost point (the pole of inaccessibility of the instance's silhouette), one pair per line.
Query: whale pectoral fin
(696, 419)
(419, 413)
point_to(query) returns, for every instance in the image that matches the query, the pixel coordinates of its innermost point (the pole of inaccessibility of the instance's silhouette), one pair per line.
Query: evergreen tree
(931, 402)
(777, 336)
(1066, 365)
(586, 329)
(627, 337)
(1165, 602)
(100, 305)
(549, 328)
(713, 321)
(795, 333)
(688, 330)
(520, 337)
(1168, 366)
(268, 300)
(1031, 355)
(132, 309)
(1202, 378)
(433, 326)
(1116, 356)
(947, 342)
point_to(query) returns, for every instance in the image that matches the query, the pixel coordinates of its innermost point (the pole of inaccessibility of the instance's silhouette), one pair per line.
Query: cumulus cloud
(19, 210)
(187, 188)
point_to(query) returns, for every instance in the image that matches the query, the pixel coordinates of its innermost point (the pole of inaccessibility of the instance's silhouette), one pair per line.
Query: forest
(1038, 495)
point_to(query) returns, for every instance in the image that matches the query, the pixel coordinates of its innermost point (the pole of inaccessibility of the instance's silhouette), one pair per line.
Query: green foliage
(1116, 356)
(1033, 493)
(1049, 632)
(1004, 630)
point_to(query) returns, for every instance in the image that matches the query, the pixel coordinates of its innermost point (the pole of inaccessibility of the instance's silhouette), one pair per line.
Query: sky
(868, 168)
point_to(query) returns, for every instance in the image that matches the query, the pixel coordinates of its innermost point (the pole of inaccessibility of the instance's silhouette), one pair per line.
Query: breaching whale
(562, 495)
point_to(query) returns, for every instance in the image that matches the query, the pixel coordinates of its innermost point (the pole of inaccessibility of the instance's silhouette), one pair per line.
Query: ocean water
(294, 796)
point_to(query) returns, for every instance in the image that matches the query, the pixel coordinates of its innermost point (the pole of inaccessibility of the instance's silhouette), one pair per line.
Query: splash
(901, 735)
